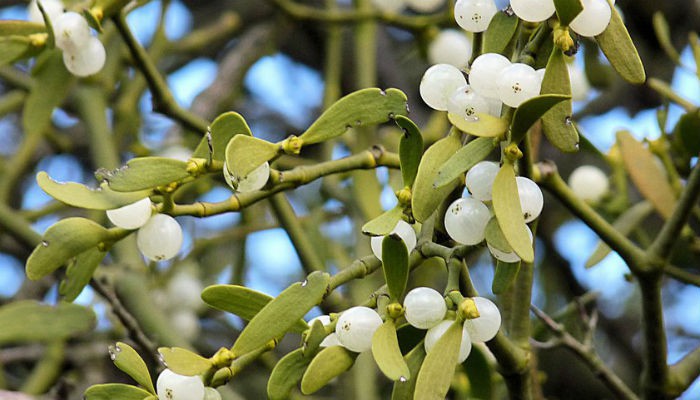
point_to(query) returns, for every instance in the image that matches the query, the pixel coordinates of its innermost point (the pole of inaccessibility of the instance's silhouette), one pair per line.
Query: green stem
(655, 374)
(46, 371)
(682, 275)
(92, 106)
(12, 222)
(19, 163)
(666, 91)
(683, 373)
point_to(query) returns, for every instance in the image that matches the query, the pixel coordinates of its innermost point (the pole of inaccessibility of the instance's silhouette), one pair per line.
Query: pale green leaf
(532, 110)
(414, 359)
(144, 173)
(328, 364)
(286, 375)
(384, 223)
(184, 362)
(26, 321)
(557, 124)
(129, 361)
(387, 354)
(113, 391)
(50, 87)
(224, 127)
(494, 236)
(410, 149)
(616, 44)
(500, 32)
(439, 366)
(245, 153)
(465, 158)
(481, 124)
(395, 265)
(79, 272)
(78, 195)
(506, 206)
(567, 10)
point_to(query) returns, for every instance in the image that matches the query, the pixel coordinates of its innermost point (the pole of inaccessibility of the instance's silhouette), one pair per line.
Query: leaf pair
(128, 361)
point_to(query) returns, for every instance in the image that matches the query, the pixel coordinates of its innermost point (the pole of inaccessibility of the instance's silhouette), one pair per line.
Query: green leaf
(50, 87)
(78, 195)
(616, 44)
(27, 321)
(494, 236)
(112, 391)
(242, 301)
(506, 206)
(663, 35)
(414, 360)
(62, 241)
(479, 371)
(224, 127)
(532, 110)
(505, 276)
(282, 313)
(426, 198)
(363, 107)
(184, 362)
(439, 366)
(384, 223)
(395, 265)
(328, 363)
(624, 224)
(79, 272)
(687, 131)
(13, 48)
(410, 149)
(22, 28)
(129, 361)
(567, 10)
(387, 354)
(500, 32)
(245, 153)
(646, 174)
(286, 375)
(313, 338)
(465, 158)
(556, 124)
(144, 173)
(481, 124)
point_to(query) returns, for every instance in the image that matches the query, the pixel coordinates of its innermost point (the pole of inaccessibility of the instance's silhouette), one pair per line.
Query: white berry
(467, 103)
(185, 323)
(53, 8)
(72, 31)
(594, 18)
(438, 84)
(171, 386)
(485, 327)
(87, 60)
(184, 291)
(579, 83)
(255, 180)
(211, 394)
(160, 238)
(589, 183)
(518, 83)
(466, 219)
(436, 332)
(474, 15)
(480, 179)
(131, 216)
(356, 326)
(450, 46)
(531, 199)
(424, 307)
(484, 74)
(405, 232)
(533, 10)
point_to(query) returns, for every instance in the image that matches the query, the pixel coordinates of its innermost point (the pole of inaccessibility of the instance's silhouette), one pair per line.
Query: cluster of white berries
(590, 22)
(159, 236)
(466, 218)
(255, 180)
(172, 386)
(397, 6)
(83, 54)
(589, 183)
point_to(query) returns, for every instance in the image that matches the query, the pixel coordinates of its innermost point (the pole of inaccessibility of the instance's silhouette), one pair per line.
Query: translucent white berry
(255, 180)
(466, 219)
(485, 327)
(87, 60)
(211, 394)
(436, 332)
(533, 10)
(518, 83)
(425, 6)
(72, 31)
(579, 83)
(356, 326)
(474, 15)
(589, 183)
(332, 338)
(131, 216)
(438, 84)
(185, 291)
(424, 307)
(594, 18)
(390, 6)
(466, 103)
(450, 46)
(531, 199)
(480, 179)
(185, 323)
(484, 74)
(171, 386)
(540, 75)
(404, 230)
(508, 257)
(53, 8)
(160, 238)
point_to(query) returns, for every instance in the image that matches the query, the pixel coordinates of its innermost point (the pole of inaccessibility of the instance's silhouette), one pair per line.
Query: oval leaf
(383, 224)
(111, 391)
(30, 321)
(403, 390)
(224, 127)
(532, 110)
(328, 363)
(616, 44)
(387, 354)
(129, 361)
(286, 375)
(500, 32)
(282, 313)
(245, 153)
(241, 301)
(481, 124)
(410, 149)
(395, 265)
(646, 175)
(439, 366)
(13, 48)
(145, 173)
(62, 241)
(79, 272)
(426, 198)
(567, 10)
(363, 107)
(465, 158)
(557, 124)
(494, 236)
(49, 88)
(687, 131)
(78, 195)
(184, 362)
(506, 206)
(504, 276)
